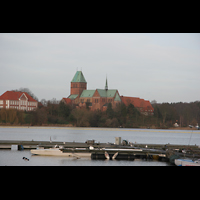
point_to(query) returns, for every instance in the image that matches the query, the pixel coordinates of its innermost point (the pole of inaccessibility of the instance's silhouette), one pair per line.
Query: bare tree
(27, 91)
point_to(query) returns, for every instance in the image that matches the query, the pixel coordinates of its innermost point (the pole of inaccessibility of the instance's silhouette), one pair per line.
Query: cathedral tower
(78, 83)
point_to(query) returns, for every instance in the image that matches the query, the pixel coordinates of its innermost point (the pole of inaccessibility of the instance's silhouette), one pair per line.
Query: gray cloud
(164, 67)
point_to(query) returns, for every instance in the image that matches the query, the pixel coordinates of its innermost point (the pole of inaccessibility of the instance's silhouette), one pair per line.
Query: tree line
(165, 115)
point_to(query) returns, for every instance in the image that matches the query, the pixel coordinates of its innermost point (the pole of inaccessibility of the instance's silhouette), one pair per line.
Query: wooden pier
(165, 152)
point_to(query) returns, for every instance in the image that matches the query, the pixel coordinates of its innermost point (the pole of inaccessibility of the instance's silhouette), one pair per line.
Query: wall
(77, 88)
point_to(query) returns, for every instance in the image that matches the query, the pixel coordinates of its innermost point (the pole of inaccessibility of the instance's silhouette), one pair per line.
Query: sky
(153, 66)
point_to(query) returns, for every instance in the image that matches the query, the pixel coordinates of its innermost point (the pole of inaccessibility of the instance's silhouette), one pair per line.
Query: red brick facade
(77, 88)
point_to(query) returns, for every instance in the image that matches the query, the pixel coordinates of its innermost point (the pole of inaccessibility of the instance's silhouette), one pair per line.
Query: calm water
(154, 136)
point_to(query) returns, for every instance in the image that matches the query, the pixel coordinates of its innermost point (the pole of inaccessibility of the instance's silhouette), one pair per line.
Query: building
(66, 100)
(94, 99)
(100, 98)
(18, 100)
(142, 105)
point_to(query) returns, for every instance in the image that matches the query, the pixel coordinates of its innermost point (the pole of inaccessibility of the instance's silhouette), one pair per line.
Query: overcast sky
(164, 67)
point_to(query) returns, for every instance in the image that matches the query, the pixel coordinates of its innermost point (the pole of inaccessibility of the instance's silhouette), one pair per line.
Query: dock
(7, 144)
(126, 151)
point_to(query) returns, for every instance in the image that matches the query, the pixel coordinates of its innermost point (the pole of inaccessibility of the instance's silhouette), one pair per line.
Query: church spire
(106, 86)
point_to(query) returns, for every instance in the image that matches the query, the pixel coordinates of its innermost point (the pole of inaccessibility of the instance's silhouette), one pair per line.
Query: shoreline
(71, 126)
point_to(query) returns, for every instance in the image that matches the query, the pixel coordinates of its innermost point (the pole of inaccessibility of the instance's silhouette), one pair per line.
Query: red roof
(67, 100)
(12, 95)
(137, 102)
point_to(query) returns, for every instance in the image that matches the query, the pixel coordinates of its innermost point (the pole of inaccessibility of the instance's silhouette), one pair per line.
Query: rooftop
(13, 95)
(106, 93)
(137, 102)
(72, 96)
(87, 93)
(78, 77)
(67, 100)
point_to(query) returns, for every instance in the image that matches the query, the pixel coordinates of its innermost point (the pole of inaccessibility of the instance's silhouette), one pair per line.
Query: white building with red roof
(18, 100)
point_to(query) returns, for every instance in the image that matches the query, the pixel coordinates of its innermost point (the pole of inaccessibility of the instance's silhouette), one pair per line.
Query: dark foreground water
(154, 136)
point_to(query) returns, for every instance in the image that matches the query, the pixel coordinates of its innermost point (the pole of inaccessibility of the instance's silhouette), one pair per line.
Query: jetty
(122, 150)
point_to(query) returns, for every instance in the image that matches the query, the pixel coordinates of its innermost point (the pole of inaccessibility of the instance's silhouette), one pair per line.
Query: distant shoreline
(71, 126)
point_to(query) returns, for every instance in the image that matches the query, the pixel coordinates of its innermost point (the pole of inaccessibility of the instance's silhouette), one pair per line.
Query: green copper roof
(78, 77)
(73, 96)
(117, 98)
(87, 93)
(108, 93)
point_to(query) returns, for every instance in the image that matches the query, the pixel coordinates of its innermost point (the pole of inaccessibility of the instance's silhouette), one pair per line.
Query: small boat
(187, 162)
(115, 155)
(49, 152)
(56, 151)
(107, 155)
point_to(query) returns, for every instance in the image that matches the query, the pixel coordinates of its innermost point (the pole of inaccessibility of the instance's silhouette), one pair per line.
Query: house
(100, 98)
(18, 100)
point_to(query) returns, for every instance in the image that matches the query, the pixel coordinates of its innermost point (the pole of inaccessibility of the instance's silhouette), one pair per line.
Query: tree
(132, 111)
(153, 102)
(81, 116)
(12, 115)
(94, 118)
(44, 102)
(63, 110)
(41, 116)
(52, 108)
(27, 91)
(157, 112)
(109, 111)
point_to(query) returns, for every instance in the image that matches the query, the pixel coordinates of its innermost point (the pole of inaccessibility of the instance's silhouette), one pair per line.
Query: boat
(57, 151)
(115, 155)
(107, 155)
(187, 162)
(49, 152)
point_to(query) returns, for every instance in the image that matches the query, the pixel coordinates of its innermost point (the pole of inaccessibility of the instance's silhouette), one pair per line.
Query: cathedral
(100, 98)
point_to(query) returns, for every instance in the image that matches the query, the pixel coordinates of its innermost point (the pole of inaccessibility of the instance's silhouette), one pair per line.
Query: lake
(70, 134)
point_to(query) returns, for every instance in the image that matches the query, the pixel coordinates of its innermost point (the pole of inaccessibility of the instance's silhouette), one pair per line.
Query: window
(1, 101)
